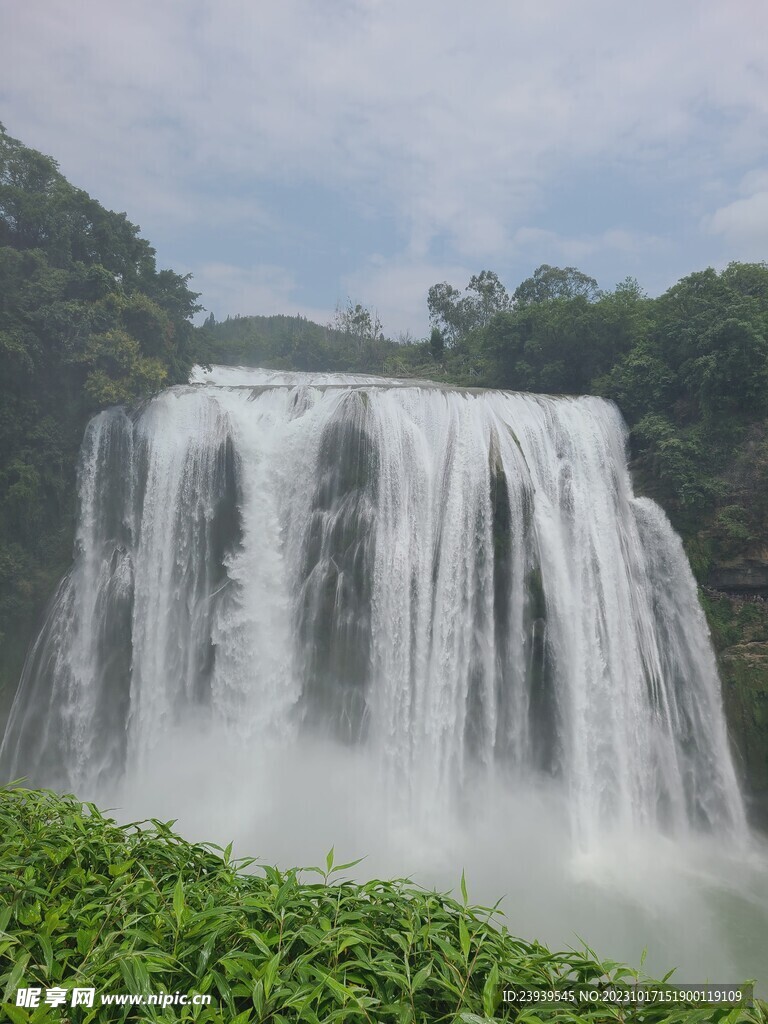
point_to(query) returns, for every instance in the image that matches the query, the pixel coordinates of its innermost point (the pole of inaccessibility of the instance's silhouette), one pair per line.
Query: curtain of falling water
(462, 585)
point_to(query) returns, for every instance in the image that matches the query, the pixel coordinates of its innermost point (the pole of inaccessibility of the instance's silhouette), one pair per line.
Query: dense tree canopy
(86, 320)
(548, 283)
(455, 315)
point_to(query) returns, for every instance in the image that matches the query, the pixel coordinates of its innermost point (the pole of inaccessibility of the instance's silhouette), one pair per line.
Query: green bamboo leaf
(349, 864)
(260, 940)
(342, 992)
(421, 977)
(491, 991)
(464, 938)
(15, 1014)
(17, 972)
(119, 869)
(270, 974)
(30, 914)
(47, 948)
(178, 901)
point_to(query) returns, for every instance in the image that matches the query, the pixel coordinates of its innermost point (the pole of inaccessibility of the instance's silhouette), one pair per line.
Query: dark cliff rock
(745, 576)
(744, 672)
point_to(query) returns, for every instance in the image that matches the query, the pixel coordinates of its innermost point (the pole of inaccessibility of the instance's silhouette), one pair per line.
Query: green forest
(88, 320)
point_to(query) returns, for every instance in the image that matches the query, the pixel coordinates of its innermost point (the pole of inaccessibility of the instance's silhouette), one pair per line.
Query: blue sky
(292, 154)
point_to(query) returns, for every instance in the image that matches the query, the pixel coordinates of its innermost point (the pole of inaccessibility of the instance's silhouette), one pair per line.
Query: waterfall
(459, 584)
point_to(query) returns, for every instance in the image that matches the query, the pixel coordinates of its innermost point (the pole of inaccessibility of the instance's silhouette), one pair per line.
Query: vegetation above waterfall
(138, 910)
(86, 320)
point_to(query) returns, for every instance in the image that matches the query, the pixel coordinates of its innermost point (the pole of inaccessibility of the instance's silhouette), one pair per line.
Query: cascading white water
(457, 591)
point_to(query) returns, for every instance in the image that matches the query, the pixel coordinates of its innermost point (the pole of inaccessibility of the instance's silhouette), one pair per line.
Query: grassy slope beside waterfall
(689, 371)
(141, 911)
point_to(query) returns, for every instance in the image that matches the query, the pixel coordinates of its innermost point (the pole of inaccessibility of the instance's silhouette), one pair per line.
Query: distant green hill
(295, 343)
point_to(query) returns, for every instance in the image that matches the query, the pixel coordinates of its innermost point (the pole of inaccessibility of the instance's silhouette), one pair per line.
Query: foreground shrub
(136, 909)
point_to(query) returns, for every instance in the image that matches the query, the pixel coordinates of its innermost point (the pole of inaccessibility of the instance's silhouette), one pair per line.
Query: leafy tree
(748, 279)
(486, 297)
(86, 320)
(445, 311)
(357, 321)
(564, 344)
(549, 283)
(436, 343)
(639, 381)
(456, 315)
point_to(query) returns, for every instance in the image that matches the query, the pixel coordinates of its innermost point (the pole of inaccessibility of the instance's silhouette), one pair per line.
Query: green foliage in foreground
(139, 910)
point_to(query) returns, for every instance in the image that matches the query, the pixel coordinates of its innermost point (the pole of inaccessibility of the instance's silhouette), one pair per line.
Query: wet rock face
(744, 672)
(738, 623)
(745, 576)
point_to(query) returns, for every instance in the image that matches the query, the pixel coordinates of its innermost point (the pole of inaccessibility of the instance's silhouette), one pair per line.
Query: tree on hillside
(445, 311)
(712, 330)
(436, 343)
(357, 321)
(86, 320)
(456, 315)
(548, 283)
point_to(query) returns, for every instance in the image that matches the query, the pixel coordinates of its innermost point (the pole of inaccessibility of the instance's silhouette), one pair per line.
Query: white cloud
(455, 121)
(398, 288)
(261, 290)
(550, 246)
(744, 225)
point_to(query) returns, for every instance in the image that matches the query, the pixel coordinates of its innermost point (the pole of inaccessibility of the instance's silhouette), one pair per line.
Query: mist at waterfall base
(429, 627)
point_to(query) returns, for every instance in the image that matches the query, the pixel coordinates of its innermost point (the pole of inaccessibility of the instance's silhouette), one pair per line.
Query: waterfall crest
(461, 584)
